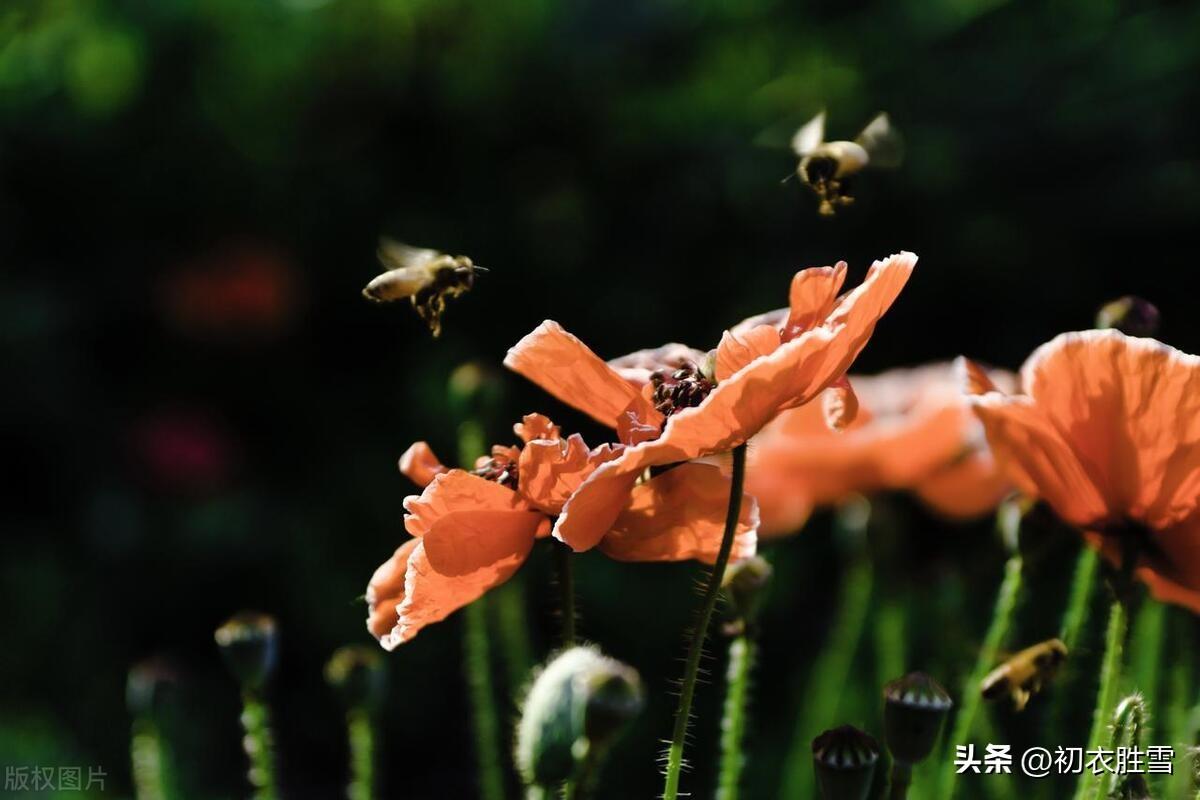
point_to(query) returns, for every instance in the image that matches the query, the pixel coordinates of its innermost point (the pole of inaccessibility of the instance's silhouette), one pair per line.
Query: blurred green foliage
(617, 166)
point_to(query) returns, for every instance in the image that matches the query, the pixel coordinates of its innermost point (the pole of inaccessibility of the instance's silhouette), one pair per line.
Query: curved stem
(362, 755)
(564, 564)
(1090, 786)
(1006, 603)
(733, 723)
(146, 756)
(478, 665)
(259, 745)
(1081, 595)
(695, 650)
(900, 780)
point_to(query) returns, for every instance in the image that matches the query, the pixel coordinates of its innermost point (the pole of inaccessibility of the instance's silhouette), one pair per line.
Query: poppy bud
(744, 583)
(250, 643)
(147, 686)
(576, 706)
(914, 709)
(844, 759)
(356, 672)
(1130, 315)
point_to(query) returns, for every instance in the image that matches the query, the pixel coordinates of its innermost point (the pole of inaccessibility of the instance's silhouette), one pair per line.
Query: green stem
(696, 649)
(259, 745)
(147, 757)
(1145, 649)
(362, 754)
(733, 723)
(889, 642)
(824, 688)
(1178, 716)
(900, 779)
(1090, 786)
(564, 563)
(479, 684)
(1002, 617)
(509, 606)
(1080, 598)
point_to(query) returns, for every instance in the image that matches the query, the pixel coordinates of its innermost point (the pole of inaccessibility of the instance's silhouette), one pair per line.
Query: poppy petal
(457, 491)
(420, 465)
(1130, 409)
(812, 296)
(551, 471)
(536, 426)
(637, 367)
(386, 591)
(680, 515)
(736, 350)
(564, 367)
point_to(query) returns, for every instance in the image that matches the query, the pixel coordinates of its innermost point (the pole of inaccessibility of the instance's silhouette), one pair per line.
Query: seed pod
(745, 583)
(914, 709)
(844, 759)
(576, 706)
(249, 642)
(357, 673)
(148, 684)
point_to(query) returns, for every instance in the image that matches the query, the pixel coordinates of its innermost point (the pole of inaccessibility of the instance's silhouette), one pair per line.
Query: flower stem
(733, 724)
(362, 754)
(1081, 595)
(1002, 617)
(509, 608)
(259, 745)
(1090, 786)
(696, 649)
(1145, 650)
(823, 690)
(1180, 721)
(147, 760)
(564, 566)
(479, 684)
(900, 779)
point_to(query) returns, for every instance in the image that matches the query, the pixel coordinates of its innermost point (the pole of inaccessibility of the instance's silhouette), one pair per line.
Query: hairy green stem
(1090, 786)
(147, 759)
(824, 688)
(513, 627)
(1002, 617)
(564, 567)
(696, 649)
(478, 665)
(1145, 649)
(259, 744)
(733, 722)
(1080, 597)
(1178, 716)
(361, 733)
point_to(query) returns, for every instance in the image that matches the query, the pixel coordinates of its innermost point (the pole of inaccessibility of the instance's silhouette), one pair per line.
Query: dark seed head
(249, 641)
(844, 759)
(914, 709)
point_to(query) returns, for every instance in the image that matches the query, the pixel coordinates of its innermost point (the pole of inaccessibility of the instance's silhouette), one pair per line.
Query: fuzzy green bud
(914, 709)
(744, 584)
(577, 705)
(844, 760)
(357, 673)
(249, 642)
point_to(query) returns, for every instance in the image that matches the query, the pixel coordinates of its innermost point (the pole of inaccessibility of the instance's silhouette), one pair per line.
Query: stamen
(683, 387)
(499, 470)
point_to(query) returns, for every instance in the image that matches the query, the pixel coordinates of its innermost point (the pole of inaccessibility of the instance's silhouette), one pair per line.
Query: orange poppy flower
(472, 530)
(1107, 432)
(691, 405)
(914, 431)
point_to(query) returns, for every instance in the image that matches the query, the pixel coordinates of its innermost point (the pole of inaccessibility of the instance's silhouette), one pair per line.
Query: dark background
(203, 415)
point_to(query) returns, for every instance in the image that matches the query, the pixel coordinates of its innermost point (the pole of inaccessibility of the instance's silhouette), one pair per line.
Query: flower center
(683, 387)
(499, 470)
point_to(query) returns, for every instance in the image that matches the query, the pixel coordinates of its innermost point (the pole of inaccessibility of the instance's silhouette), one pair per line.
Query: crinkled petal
(386, 591)
(839, 405)
(736, 350)
(1037, 458)
(551, 471)
(420, 465)
(457, 491)
(536, 426)
(812, 296)
(564, 367)
(463, 556)
(1130, 410)
(680, 515)
(588, 515)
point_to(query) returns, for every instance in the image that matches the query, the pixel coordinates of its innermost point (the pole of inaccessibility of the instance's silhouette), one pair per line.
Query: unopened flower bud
(745, 583)
(357, 673)
(148, 682)
(473, 389)
(576, 706)
(1130, 315)
(249, 642)
(914, 709)
(844, 759)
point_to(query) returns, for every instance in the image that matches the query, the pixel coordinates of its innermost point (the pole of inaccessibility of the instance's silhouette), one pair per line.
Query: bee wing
(397, 255)
(883, 143)
(810, 135)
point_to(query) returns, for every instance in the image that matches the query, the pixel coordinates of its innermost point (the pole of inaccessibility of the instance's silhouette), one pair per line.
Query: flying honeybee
(1026, 673)
(827, 166)
(426, 277)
